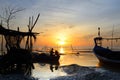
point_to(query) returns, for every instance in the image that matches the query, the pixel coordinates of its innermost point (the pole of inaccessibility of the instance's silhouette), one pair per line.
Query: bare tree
(9, 13)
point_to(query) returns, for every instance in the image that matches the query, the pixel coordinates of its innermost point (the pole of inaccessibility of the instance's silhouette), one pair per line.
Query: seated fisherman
(51, 52)
(56, 53)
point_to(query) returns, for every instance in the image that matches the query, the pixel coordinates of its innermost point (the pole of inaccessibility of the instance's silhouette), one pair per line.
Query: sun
(61, 39)
(61, 42)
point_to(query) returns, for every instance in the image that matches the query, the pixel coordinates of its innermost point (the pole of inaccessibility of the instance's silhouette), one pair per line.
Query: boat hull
(107, 56)
(43, 58)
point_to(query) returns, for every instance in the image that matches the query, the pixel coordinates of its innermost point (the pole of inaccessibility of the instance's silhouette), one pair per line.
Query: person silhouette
(56, 53)
(52, 52)
(51, 67)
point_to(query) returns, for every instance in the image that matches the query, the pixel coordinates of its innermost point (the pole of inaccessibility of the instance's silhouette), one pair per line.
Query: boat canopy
(14, 37)
(8, 32)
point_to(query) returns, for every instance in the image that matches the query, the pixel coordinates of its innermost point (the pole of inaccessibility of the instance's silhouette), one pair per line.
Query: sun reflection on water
(44, 73)
(61, 50)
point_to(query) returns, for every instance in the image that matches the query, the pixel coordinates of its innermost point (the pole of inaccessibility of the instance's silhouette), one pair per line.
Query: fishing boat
(15, 55)
(45, 58)
(105, 54)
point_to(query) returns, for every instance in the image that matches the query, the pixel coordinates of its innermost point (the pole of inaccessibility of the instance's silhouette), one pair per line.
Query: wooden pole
(2, 42)
(35, 22)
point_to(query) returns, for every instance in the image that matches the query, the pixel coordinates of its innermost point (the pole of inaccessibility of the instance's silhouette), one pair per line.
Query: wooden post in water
(112, 37)
(2, 53)
(99, 35)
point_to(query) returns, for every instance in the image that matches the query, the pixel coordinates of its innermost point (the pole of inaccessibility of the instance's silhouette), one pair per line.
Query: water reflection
(61, 50)
(52, 66)
(83, 59)
(16, 63)
(45, 71)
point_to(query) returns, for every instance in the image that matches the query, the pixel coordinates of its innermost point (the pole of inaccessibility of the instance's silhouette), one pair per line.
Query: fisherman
(52, 52)
(56, 53)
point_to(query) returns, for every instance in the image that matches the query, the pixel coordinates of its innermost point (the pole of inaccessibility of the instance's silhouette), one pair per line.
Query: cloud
(71, 12)
(71, 26)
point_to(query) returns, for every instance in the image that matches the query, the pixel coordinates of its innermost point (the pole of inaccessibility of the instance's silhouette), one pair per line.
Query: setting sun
(61, 42)
(61, 39)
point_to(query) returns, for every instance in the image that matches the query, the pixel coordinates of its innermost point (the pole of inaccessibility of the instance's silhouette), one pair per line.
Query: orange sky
(73, 22)
(54, 36)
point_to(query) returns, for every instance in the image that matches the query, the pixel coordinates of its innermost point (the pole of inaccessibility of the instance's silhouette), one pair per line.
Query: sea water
(43, 71)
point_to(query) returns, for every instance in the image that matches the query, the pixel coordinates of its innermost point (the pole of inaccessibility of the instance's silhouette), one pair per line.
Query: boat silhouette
(106, 55)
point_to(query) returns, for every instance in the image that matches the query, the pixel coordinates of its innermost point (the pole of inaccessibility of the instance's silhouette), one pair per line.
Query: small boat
(45, 58)
(106, 55)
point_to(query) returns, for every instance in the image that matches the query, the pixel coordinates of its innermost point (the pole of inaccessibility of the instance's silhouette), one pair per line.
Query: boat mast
(29, 42)
(112, 37)
(98, 31)
(99, 35)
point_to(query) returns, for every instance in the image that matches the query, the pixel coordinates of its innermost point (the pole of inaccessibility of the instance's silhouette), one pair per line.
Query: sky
(67, 22)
